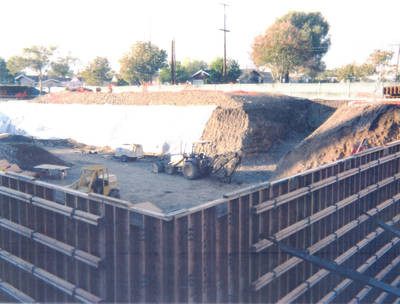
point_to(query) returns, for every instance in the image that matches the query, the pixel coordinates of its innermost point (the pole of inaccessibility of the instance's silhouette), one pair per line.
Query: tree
(142, 62)
(193, 66)
(181, 73)
(62, 67)
(380, 57)
(347, 72)
(97, 72)
(312, 69)
(184, 70)
(364, 70)
(316, 28)
(282, 49)
(380, 60)
(296, 40)
(215, 70)
(16, 65)
(351, 72)
(38, 59)
(5, 76)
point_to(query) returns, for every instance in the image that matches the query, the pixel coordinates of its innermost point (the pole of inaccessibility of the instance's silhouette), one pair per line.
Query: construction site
(199, 196)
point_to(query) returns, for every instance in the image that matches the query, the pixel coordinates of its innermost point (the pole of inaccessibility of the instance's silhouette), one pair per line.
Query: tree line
(294, 44)
(140, 65)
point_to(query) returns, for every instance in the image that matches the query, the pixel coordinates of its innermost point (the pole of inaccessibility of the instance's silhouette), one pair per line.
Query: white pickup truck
(128, 152)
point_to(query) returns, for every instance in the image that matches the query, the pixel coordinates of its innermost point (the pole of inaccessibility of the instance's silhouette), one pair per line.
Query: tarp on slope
(158, 128)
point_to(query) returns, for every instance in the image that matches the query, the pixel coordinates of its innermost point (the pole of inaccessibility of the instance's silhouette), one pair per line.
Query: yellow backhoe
(96, 179)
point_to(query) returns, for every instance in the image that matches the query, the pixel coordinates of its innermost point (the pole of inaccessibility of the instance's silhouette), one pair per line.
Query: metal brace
(387, 227)
(341, 270)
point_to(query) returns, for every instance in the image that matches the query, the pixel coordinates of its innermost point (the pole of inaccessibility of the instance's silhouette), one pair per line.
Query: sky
(87, 29)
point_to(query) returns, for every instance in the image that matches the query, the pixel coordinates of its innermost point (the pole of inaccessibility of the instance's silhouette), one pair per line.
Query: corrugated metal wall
(58, 245)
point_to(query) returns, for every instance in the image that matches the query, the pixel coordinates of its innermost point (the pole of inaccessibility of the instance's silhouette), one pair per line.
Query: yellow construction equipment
(96, 179)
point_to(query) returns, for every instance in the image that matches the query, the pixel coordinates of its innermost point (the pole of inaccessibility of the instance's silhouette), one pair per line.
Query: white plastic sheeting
(157, 128)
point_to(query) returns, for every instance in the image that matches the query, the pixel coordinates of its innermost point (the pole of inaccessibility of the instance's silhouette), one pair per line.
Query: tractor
(192, 166)
(96, 179)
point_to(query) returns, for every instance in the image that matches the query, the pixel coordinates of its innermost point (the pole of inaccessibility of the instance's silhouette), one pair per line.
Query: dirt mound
(261, 122)
(336, 138)
(141, 98)
(71, 143)
(22, 151)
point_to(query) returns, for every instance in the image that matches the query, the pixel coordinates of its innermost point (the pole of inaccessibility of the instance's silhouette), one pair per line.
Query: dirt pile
(22, 151)
(336, 138)
(140, 98)
(71, 143)
(261, 122)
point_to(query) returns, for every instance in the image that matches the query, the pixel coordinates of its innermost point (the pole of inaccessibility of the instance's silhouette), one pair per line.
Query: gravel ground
(138, 184)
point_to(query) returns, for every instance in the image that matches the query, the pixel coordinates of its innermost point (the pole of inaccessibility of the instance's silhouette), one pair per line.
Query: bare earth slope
(336, 138)
(24, 152)
(261, 122)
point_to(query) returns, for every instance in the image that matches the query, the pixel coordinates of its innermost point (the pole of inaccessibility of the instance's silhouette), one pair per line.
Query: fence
(266, 243)
(329, 91)
(348, 90)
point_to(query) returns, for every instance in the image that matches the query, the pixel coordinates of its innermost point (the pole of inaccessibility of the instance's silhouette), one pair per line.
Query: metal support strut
(334, 267)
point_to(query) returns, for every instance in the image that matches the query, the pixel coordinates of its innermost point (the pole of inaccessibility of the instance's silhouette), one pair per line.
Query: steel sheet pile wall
(59, 245)
(330, 215)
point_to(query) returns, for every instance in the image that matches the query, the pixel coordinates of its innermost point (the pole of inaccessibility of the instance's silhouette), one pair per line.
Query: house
(26, 80)
(199, 76)
(255, 76)
(74, 83)
(47, 82)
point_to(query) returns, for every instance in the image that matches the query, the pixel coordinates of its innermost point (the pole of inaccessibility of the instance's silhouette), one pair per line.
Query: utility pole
(225, 31)
(397, 64)
(173, 63)
(398, 61)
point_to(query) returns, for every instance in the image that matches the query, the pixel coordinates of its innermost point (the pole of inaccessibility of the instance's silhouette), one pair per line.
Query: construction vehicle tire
(169, 169)
(191, 170)
(158, 167)
(114, 193)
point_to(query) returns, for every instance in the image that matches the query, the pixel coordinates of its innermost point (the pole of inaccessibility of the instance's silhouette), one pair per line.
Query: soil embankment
(183, 98)
(337, 137)
(261, 122)
(25, 152)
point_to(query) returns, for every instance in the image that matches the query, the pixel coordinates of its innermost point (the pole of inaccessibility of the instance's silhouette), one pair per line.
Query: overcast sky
(87, 28)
